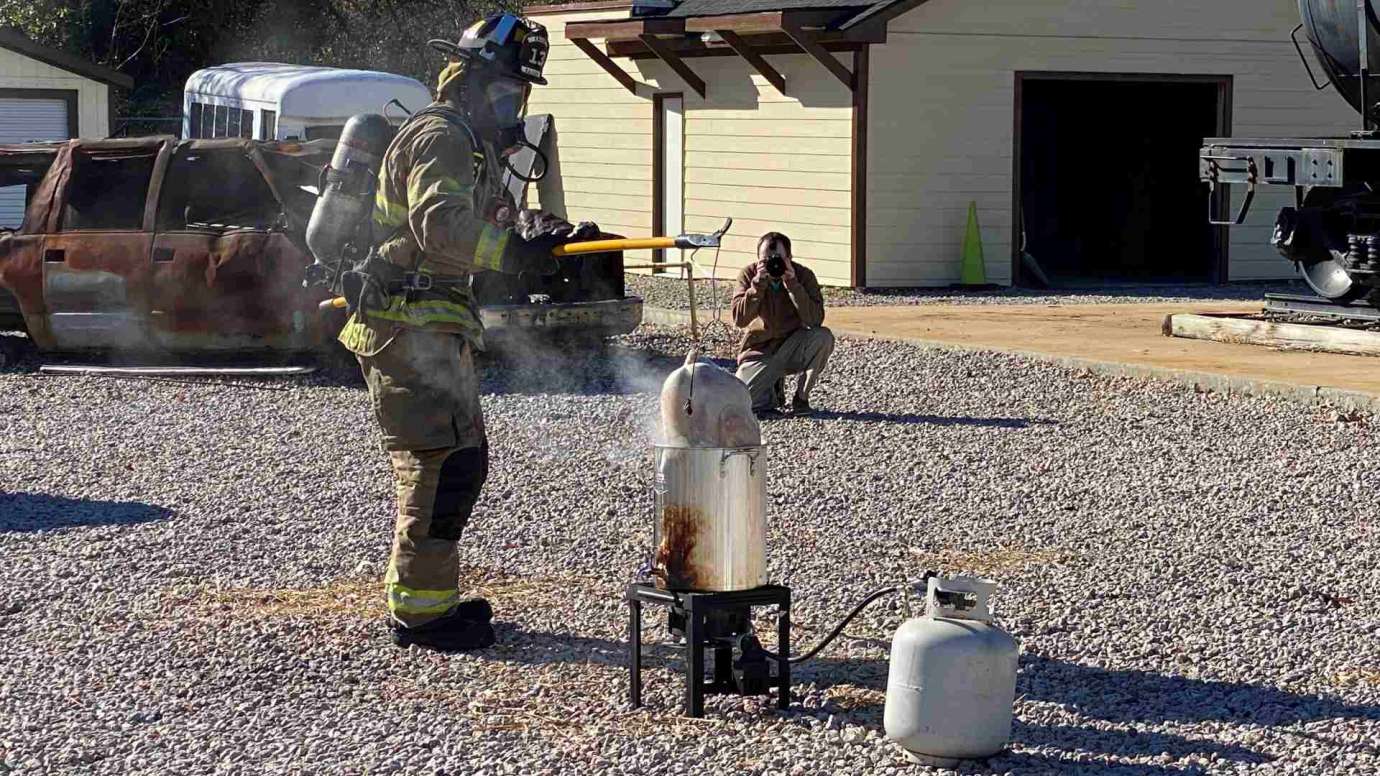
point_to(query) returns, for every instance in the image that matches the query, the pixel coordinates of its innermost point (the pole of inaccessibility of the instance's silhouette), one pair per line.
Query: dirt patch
(853, 698)
(995, 562)
(362, 598)
(1361, 677)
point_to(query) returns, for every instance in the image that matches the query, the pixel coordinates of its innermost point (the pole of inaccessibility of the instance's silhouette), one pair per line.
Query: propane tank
(952, 682)
(346, 199)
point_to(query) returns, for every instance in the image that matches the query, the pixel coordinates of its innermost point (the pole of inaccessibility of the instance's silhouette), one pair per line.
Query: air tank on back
(1332, 27)
(346, 199)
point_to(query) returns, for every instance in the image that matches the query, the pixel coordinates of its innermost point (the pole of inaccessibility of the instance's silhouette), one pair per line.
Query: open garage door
(26, 120)
(1107, 177)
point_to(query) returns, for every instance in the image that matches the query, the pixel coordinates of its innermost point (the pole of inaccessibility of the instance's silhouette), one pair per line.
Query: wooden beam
(768, 44)
(766, 21)
(857, 264)
(1249, 330)
(759, 64)
(807, 43)
(624, 29)
(746, 22)
(668, 55)
(602, 60)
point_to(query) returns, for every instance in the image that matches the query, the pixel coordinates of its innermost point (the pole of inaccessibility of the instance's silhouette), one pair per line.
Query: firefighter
(440, 214)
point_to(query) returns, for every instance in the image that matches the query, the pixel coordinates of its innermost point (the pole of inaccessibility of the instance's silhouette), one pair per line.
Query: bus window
(268, 124)
(324, 132)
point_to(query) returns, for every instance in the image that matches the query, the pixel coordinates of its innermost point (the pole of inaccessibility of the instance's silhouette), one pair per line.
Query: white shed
(866, 128)
(48, 94)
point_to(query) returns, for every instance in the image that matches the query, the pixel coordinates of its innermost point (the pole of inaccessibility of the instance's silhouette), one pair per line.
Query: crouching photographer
(779, 306)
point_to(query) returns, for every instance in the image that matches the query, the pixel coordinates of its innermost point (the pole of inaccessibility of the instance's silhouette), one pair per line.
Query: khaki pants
(806, 353)
(425, 394)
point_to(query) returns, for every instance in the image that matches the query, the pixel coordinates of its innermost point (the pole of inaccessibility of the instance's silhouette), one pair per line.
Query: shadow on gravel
(1145, 696)
(1121, 697)
(1123, 743)
(931, 420)
(537, 648)
(41, 512)
(856, 689)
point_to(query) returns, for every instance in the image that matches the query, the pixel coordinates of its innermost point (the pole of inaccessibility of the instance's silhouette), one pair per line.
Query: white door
(24, 121)
(673, 171)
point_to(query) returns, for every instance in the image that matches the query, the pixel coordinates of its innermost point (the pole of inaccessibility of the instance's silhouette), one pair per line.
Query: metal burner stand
(722, 622)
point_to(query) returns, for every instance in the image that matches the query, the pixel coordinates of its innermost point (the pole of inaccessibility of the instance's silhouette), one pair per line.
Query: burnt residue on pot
(673, 568)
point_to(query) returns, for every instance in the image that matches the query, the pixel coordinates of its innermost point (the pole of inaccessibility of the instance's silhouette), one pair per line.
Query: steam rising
(533, 362)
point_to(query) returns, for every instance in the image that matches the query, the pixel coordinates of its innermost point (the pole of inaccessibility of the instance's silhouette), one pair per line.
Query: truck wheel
(12, 352)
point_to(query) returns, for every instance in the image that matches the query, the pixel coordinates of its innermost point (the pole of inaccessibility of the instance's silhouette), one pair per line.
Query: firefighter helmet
(509, 45)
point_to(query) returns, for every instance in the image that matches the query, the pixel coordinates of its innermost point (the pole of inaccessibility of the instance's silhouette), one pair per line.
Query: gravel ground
(1194, 578)
(671, 293)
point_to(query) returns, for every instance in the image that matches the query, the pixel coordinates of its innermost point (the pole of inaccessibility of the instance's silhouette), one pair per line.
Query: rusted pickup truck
(195, 246)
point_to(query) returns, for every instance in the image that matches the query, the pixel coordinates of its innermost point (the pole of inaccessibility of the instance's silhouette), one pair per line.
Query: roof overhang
(18, 42)
(749, 36)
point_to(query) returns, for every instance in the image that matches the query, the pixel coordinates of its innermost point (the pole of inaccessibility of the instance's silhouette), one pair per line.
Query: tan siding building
(771, 162)
(44, 90)
(874, 182)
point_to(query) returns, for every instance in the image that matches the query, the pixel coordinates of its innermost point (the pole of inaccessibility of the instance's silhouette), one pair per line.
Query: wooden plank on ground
(1252, 330)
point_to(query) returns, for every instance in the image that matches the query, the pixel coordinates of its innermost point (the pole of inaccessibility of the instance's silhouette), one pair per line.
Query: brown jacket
(773, 310)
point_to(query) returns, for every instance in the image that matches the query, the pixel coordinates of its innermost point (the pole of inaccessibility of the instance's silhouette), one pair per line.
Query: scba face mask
(506, 100)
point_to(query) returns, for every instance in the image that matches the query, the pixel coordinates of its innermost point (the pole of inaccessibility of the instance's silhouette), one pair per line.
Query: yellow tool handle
(576, 249)
(600, 246)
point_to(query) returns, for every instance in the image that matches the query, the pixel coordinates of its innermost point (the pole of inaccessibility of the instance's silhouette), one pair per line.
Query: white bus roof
(308, 91)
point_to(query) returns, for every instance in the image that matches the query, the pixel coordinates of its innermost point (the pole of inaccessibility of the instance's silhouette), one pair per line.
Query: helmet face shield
(506, 98)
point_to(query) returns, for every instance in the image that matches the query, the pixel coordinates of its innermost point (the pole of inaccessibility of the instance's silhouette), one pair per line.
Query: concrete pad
(1125, 339)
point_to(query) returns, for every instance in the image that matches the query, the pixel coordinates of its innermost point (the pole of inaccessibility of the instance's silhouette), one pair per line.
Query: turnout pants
(425, 394)
(806, 352)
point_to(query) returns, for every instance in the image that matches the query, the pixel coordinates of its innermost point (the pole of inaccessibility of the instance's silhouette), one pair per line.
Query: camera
(776, 264)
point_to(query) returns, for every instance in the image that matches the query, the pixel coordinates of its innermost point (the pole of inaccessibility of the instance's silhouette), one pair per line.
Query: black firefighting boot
(477, 609)
(452, 631)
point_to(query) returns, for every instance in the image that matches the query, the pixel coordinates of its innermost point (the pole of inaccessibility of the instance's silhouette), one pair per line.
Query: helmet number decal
(532, 57)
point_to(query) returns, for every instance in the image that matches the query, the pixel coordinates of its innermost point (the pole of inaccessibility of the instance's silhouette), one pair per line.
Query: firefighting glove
(541, 233)
(366, 285)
